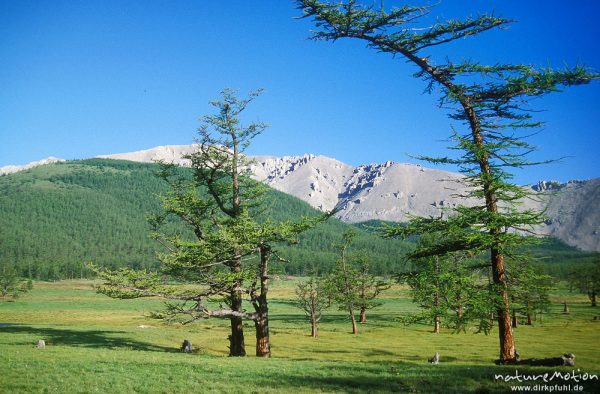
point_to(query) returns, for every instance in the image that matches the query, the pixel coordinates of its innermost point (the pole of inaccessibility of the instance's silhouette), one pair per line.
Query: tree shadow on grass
(82, 338)
(287, 318)
(416, 377)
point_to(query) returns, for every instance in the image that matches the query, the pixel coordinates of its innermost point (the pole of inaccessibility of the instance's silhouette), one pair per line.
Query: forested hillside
(56, 218)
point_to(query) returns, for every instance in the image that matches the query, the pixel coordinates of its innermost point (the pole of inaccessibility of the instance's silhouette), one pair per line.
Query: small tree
(586, 280)
(530, 290)
(368, 285)
(313, 300)
(350, 285)
(342, 283)
(11, 284)
(448, 290)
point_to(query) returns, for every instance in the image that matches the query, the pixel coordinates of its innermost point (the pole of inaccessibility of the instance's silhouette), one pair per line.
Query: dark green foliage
(586, 280)
(351, 285)
(57, 218)
(449, 290)
(559, 259)
(11, 284)
(530, 290)
(489, 105)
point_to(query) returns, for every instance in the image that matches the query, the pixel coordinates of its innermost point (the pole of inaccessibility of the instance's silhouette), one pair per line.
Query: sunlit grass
(96, 344)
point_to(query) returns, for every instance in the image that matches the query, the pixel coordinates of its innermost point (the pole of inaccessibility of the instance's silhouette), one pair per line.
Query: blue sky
(83, 78)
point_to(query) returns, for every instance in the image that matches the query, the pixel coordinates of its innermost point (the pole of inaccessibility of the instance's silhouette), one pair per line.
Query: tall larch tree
(225, 254)
(490, 104)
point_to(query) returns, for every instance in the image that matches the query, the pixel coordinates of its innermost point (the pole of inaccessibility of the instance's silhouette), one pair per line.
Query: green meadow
(97, 344)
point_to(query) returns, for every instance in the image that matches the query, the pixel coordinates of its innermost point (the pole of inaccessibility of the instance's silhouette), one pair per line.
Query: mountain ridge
(396, 191)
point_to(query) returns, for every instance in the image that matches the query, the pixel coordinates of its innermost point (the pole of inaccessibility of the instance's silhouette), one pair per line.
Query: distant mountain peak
(169, 153)
(10, 169)
(393, 191)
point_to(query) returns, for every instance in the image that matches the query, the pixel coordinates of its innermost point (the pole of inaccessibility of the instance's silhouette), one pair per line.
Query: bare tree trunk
(353, 318)
(263, 345)
(313, 326)
(363, 314)
(237, 347)
(436, 297)
(236, 339)
(515, 323)
(459, 311)
(565, 308)
(529, 322)
(593, 298)
(506, 337)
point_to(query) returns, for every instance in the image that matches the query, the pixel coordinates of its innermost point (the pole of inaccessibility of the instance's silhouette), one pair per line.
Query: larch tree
(225, 254)
(448, 290)
(342, 283)
(489, 103)
(351, 286)
(220, 167)
(369, 286)
(11, 283)
(530, 293)
(586, 280)
(313, 300)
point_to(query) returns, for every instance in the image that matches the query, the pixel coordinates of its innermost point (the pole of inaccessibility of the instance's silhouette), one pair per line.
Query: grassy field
(96, 344)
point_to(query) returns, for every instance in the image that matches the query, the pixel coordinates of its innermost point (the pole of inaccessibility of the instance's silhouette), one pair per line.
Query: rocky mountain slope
(389, 191)
(573, 213)
(394, 191)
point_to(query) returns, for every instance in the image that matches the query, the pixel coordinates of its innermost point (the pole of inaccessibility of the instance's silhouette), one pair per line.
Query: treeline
(57, 218)
(559, 259)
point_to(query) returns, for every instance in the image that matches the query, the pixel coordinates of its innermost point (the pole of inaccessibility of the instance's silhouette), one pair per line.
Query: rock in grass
(435, 359)
(41, 344)
(186, 346)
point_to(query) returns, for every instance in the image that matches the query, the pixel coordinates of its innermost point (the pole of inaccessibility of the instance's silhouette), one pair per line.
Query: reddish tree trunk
(263, 346)
(505, 332)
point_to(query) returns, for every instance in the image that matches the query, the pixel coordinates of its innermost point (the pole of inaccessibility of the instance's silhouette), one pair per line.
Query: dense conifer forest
(55, 219)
